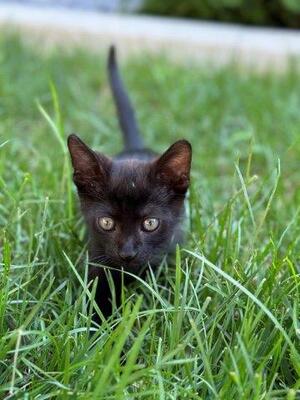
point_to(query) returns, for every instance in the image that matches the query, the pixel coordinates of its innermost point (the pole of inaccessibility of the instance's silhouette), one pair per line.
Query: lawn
(222, 320)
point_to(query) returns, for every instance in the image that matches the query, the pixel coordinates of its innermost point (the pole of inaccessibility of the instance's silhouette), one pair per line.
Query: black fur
(134, 185)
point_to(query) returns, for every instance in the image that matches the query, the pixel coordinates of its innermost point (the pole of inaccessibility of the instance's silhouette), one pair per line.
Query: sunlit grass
(222, 321)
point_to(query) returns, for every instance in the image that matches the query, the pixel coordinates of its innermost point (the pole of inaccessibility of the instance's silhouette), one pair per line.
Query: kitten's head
(133, 208)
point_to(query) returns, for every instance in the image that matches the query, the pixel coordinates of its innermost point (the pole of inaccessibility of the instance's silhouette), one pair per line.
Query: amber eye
(106, 223)
(150, 224)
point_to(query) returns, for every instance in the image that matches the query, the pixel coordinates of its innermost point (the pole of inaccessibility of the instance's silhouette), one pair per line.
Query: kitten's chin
(135, 267)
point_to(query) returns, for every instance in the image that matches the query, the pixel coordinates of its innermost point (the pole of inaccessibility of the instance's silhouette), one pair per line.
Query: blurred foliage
(282, 13)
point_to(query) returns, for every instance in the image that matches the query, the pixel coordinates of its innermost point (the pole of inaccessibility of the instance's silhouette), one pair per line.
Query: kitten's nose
(128, 251)
(127, 255)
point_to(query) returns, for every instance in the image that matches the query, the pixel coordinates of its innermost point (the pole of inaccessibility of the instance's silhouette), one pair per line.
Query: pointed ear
(91, 169)
(173, 167)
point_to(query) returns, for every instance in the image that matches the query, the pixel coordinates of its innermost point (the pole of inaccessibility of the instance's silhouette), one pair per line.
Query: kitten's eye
(150, 224)
(106, 223)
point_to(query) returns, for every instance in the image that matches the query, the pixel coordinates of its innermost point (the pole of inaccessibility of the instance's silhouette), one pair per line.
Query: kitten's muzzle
(128, 251)
(127, 256)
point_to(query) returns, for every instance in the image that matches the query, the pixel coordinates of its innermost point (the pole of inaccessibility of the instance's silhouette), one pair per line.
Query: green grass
(221, 323)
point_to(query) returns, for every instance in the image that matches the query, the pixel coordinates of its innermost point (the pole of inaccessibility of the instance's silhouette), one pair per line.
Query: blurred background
(281, 13)
(262, 34)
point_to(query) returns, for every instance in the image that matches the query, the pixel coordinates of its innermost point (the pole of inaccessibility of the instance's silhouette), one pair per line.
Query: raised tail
(126, 116)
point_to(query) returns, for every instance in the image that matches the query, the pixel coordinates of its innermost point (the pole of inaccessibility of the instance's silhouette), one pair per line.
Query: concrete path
(98, 5)
(181, 39)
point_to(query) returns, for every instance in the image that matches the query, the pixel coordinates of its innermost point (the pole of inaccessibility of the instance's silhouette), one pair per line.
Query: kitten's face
(133, 209)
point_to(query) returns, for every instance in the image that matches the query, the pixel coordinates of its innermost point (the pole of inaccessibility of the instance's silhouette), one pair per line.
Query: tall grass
(222, 321)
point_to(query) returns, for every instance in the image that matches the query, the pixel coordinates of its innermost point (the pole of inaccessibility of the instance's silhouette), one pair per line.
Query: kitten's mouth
(134, 266)
(130, 264)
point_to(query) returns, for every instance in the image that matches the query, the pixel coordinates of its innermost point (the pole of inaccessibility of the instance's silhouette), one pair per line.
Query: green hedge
(283, 13)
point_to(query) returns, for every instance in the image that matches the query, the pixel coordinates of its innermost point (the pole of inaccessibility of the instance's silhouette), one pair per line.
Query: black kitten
(133, 204)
